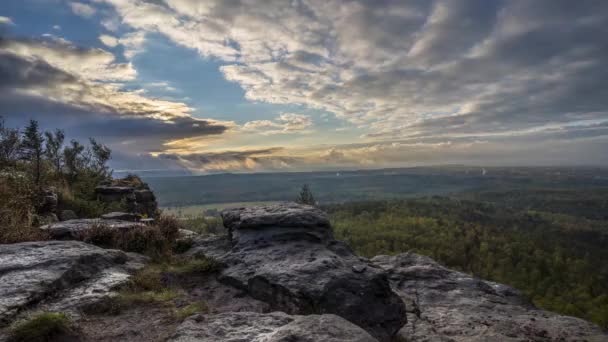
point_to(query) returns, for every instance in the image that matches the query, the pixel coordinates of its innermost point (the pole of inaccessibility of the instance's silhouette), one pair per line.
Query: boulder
(137, 197)
(49, 201)
(59, 276)
(71, 229)
(185, 234)
(285, 255)
(119, 215)
(271, 327)
(446, 305)
(68, 215)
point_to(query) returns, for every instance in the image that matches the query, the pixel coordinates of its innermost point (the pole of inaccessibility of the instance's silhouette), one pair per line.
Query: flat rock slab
(70, 229)
(272, 327)
(276, 215)
(59, 275)
(300, 269)
(445, 305)
(119, 215)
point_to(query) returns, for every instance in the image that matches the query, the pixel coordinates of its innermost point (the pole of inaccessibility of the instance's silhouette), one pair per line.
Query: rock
(118, 215)
(144, 196)
(71, 229)
(49, 201)
(300, 269)
(451, 306)
(272, 327)
(68, 215)
(133, 193)
(184, 234)
(59, 275)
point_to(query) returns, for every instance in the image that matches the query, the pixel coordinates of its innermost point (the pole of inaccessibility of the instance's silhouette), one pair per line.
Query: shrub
(44, 326)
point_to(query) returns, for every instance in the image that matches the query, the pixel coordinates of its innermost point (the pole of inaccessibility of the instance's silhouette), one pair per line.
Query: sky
(208, 86)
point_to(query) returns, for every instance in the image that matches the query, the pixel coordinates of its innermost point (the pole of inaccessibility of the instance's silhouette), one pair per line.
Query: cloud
(108, 40)
(402, 68)
(251, 160)
(285, 123)
(57, 27)
(54, 81)
(83, 10)
(6, 21)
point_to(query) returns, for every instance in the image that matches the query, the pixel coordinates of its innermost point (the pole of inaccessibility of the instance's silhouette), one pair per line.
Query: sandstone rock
(272, 327)
(70, 229)
(137, 198)
(186, 234)
(118, 215)
(300, 269)
(59, 275)
(446, 305)
(68, 215)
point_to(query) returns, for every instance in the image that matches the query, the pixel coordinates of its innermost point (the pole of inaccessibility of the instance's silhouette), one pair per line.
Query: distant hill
(348, 186)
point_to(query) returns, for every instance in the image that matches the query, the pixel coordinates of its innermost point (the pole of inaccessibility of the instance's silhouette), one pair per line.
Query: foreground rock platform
(271, 327)
(285, 255)
(445, 305)
(71, 229)
(59, 275)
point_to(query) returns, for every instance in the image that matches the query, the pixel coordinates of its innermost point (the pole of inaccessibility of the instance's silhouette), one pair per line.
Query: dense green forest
(557, 259)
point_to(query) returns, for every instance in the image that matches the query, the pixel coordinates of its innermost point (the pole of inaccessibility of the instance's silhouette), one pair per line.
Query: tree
(305, 196)
(100, 155)
(9, 145)
(74, 160)
(32, 150)
(54, 143)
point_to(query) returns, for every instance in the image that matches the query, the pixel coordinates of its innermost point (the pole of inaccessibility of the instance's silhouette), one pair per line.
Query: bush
(46, 326)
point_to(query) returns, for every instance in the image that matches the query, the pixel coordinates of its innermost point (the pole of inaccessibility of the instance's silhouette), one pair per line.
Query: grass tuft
(45, 326)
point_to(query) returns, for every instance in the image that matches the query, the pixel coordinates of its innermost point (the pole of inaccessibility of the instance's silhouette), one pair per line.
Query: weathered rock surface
(445, 305)
(135, 194)
(59, 275)
(272, 327)
(119, 215)
(70, 229)
(298, 268)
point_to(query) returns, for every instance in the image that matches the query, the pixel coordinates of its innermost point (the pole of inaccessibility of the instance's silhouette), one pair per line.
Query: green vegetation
(42, 327)
(557, 260)
(150, 287)
(305, 196)
(35, 163)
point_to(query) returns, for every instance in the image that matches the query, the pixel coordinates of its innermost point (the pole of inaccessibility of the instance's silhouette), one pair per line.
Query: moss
(191, 309)
(45, 326)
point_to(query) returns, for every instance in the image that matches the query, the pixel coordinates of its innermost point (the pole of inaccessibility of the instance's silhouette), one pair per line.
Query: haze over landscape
(187, 86)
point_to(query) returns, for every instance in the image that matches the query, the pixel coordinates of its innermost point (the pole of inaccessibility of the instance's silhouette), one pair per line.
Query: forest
(556, 259)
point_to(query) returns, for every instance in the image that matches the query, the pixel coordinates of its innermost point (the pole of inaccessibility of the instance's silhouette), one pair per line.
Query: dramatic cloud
(81, 88)
(403, 68)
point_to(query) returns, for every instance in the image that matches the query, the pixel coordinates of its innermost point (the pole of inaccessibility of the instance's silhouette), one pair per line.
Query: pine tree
(32, 150)
(305, 196)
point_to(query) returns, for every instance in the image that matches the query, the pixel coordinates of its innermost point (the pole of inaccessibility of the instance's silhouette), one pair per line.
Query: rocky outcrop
(445, 305)
(131, 191)
(72, 229)
(285, 255)
(272, 327)
(59, 276)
